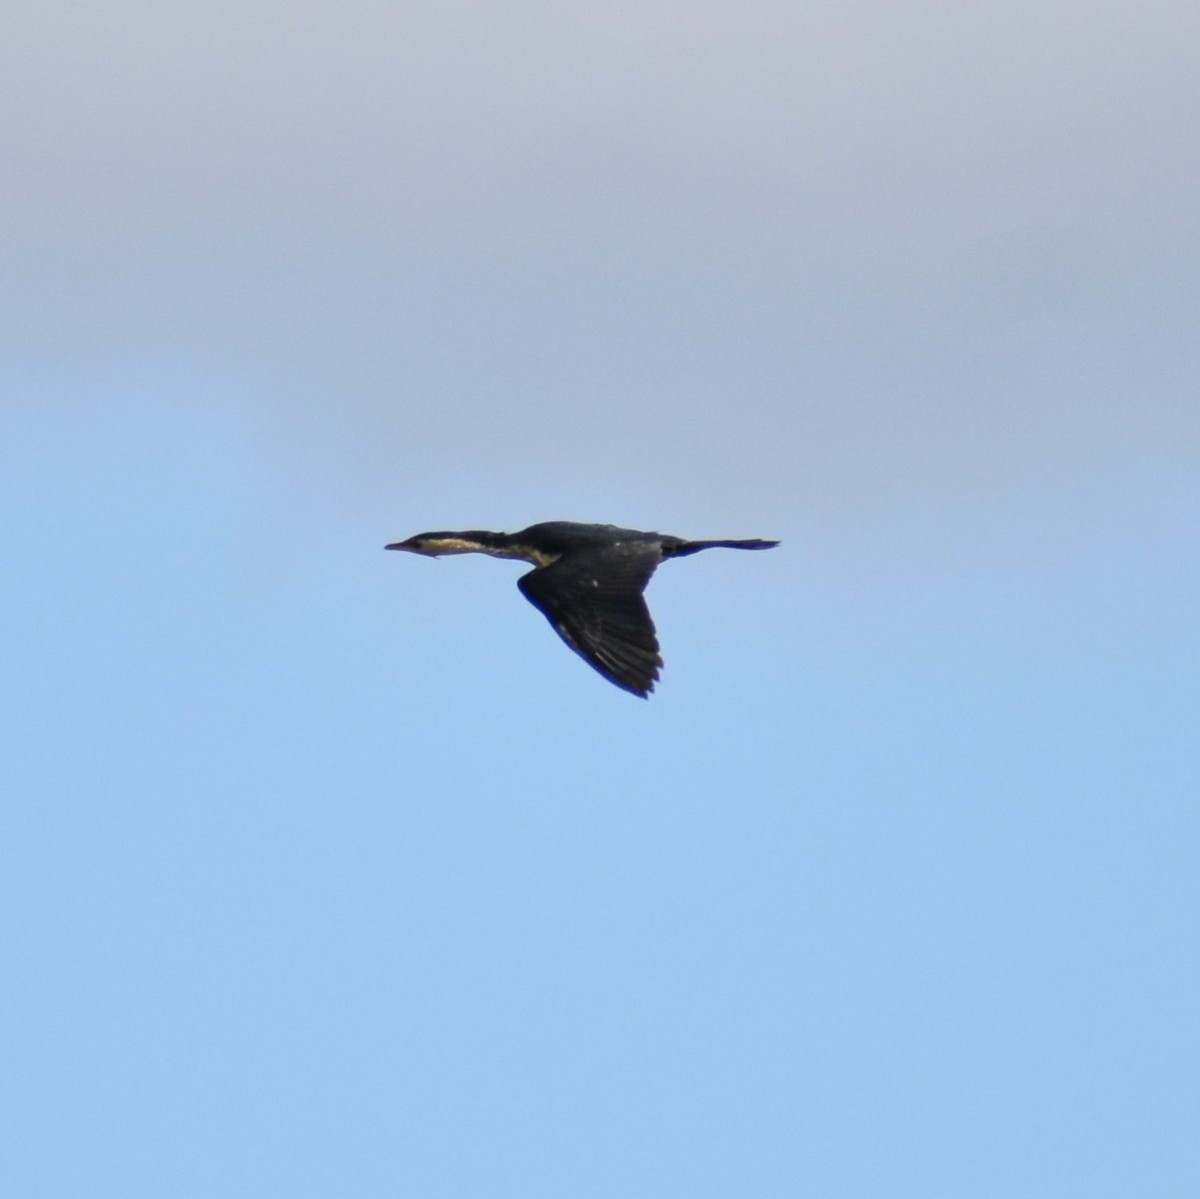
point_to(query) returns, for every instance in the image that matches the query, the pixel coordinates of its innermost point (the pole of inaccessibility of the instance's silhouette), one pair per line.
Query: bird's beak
(414, 545)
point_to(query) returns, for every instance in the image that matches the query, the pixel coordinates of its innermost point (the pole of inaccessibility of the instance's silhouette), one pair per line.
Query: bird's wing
(593, 598)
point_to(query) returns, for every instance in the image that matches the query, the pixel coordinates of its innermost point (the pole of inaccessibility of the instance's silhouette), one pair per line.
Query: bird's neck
(497, 545)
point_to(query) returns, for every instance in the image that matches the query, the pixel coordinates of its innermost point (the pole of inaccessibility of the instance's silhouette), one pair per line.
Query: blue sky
(327, 871)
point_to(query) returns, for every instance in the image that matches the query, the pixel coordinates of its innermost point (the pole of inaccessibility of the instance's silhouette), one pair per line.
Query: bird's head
(433, 545)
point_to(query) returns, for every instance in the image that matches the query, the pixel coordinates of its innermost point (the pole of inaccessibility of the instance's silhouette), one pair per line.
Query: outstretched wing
(593, 598)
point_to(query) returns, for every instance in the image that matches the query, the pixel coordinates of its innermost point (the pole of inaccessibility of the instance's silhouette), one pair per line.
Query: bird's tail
(694, 547)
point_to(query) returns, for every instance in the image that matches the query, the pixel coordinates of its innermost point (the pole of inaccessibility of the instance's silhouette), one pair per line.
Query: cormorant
(588, 581)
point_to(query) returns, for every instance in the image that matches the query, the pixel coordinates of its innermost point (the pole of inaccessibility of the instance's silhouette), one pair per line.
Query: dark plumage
(588, 581)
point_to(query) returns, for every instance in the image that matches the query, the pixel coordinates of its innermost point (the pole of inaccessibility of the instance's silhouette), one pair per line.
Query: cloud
(829, 256)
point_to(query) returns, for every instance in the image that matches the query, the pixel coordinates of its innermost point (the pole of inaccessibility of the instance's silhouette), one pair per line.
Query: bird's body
(588, 581)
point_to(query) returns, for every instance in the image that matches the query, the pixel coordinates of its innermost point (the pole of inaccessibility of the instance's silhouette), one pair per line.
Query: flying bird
(588, 581)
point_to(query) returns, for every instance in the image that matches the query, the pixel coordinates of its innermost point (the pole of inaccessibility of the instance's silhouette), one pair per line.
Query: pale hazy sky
(332, 874)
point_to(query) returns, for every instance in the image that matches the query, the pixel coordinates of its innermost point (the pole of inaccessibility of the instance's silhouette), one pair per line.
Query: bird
(587, 580)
